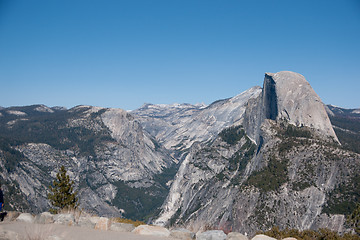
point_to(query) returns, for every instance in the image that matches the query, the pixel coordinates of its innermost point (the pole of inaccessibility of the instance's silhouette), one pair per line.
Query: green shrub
(293, 131)
(343, 198)
(271, 177)
(354, 219)
(232, 135)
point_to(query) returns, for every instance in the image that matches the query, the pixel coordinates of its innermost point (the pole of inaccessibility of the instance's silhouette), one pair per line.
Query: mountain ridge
(99, 157)
(205, 193)
(182, 125)
(203, 163)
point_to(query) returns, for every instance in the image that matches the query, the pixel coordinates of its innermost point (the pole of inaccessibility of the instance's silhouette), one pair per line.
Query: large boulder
(44, 218)
(262, 237)
(211, 235)
(103, 224)
(64, 219)
(25, 217)
(182, 233)
(152, 231)
(88, 222)
(236, 236)
(121, 227)
(10, 216)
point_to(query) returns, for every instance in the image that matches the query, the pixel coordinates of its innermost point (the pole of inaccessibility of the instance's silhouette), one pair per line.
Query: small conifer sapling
(62, 194)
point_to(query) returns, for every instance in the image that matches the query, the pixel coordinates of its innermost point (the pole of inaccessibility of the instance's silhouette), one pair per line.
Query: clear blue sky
(125, 53)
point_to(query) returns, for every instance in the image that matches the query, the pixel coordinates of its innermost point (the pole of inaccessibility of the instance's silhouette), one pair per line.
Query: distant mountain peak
(287, 76)
(173, 106)
(43, 108)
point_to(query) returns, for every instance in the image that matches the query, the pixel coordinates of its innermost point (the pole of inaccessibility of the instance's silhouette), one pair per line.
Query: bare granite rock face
(297, 102)
(137, 160)
(268, 156)
(280, 166)
(179, 126)
(287, 96)
(102, 149)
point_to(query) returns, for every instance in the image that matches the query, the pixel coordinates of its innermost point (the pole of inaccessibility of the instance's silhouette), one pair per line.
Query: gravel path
(44, 231)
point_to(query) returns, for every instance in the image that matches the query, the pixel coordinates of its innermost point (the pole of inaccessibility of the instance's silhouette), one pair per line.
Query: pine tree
(62, 192)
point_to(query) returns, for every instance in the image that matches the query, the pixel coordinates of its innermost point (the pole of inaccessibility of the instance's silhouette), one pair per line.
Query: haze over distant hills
(272, 155)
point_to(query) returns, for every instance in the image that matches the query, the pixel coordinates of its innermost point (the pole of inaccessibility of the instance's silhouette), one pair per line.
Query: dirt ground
(30, 231)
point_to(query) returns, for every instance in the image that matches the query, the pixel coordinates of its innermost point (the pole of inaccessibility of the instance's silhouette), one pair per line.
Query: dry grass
(321, 234)
(39, 232)
(77, 213)
(124, 220)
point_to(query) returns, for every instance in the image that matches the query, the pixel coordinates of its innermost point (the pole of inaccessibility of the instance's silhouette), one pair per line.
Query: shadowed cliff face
(270, 98)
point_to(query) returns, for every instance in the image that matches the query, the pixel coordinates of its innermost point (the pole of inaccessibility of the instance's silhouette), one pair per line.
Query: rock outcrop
(287, 96)
(25, 217)
(211, 235)
(12, 230)
(280, 165)
(152, 230)
(297, 102)
(182, 233)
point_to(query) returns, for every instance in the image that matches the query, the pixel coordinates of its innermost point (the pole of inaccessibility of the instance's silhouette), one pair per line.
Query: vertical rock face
(294, 100)
(287, 96)
(288, 178)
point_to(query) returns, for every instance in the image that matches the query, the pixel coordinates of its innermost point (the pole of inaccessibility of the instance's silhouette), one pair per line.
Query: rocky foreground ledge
(9, 229)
